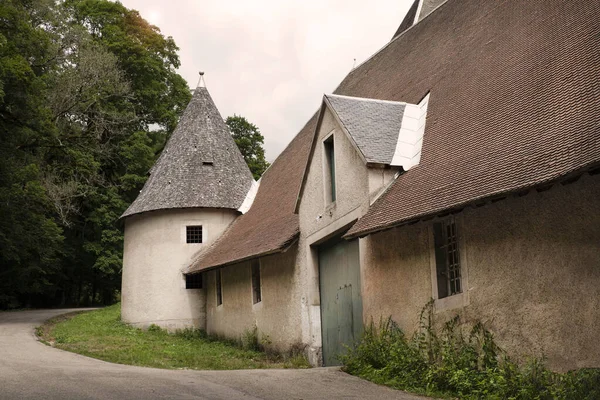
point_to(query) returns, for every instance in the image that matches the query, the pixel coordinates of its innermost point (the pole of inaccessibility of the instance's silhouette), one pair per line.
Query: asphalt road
(31, 370)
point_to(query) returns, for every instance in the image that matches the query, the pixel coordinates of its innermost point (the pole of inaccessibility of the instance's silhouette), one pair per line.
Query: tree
(81, 82)
(250, 142)
(30, 239)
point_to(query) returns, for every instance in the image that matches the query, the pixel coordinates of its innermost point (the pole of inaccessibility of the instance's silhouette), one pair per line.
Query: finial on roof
(201, 82)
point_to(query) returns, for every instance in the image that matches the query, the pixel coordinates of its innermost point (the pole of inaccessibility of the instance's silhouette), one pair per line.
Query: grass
(101, 334)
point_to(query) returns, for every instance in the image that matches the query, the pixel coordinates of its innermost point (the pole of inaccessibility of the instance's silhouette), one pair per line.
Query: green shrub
(458, 360)
(250, 339)
(155, 328)
(191, 334)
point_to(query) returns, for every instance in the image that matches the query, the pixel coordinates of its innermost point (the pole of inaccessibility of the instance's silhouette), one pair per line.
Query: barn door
(341, 303)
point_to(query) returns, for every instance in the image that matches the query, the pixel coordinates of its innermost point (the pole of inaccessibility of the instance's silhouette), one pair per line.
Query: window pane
(194, 234)
(447, 258)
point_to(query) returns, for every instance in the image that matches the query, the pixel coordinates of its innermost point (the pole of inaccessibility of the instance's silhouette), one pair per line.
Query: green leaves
(250, 142)
(81, 82)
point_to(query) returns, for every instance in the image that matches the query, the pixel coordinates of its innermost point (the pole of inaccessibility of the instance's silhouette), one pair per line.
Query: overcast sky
(271, 61)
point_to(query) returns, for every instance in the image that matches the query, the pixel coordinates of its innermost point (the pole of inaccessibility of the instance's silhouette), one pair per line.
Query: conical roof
(200, 165)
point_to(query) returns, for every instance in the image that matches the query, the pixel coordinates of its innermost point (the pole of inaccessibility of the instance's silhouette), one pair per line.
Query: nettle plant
(458, 359)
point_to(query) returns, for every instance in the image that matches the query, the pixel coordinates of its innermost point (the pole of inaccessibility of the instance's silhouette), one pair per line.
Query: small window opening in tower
(193, 281)
(193, 234)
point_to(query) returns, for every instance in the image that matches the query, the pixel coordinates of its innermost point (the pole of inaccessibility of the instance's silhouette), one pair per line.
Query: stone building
(460, 163)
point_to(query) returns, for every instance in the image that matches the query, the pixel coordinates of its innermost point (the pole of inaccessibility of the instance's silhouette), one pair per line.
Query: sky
(271, 61)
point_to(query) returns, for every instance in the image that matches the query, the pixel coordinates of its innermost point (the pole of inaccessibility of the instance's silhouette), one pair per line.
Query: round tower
(192, 195)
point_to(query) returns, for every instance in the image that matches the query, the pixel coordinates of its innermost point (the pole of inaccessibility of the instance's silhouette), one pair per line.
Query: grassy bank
(101, 334)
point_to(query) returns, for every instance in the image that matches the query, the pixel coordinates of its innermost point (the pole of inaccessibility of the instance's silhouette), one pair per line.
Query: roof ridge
(398, 36)
(366, 99)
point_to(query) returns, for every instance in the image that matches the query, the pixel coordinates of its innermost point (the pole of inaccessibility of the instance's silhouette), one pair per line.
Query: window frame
(329, 169)
(255, 281)
(456, 300)
(187, 229)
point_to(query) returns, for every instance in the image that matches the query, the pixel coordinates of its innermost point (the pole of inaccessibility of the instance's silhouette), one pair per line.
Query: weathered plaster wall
(356, 186)
(319, 220)
(533, 266)
(277, 315)
(395, 275)
(352, 183)
(155, 253)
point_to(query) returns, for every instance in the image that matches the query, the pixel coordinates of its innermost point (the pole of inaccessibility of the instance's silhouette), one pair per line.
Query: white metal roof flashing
(410, 137)
(250, 196)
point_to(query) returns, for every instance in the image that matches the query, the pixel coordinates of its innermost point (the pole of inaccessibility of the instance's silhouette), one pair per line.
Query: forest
(89, 94)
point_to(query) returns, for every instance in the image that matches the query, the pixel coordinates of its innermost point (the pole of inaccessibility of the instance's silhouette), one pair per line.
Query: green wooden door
(341, 303)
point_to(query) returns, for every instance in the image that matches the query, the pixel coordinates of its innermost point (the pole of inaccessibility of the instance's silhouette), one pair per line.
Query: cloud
(272, 61)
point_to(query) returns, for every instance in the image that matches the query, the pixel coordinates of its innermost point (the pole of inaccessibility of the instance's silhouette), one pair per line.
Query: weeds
(458, 360)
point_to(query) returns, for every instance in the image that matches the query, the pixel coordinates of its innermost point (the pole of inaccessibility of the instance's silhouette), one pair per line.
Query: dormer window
(329, 169)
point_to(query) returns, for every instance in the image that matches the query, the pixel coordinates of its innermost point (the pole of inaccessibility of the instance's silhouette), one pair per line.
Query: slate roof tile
(200, 165)
(374, 125)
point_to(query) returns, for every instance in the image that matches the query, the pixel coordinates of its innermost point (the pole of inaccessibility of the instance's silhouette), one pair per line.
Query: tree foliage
(250, 142)
(88, 96)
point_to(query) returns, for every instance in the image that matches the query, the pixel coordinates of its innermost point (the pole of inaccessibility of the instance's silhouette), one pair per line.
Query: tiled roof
(514, 102)
(270, 225)
(200, 166)
(409, 18)
(374, 125)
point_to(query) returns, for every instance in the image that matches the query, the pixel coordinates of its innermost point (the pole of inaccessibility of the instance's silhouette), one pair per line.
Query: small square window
(447, 259)
(256, 290)
(193, 281)
(193, 234)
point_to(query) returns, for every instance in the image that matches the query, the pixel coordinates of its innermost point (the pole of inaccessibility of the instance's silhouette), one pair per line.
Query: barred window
(219, 288)
(193, 281)
(447, 258)
(256, 293)
(193, 234)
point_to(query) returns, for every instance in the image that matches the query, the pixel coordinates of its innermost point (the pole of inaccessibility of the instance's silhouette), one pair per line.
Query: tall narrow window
(329, 169)
(193, 234)
(447, 258)
(256, 294)
(219, 288)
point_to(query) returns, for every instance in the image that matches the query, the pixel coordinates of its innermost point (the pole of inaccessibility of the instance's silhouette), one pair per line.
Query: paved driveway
(32, 370)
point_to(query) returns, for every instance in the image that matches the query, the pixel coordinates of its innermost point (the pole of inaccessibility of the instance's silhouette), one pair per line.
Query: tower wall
(154, 257)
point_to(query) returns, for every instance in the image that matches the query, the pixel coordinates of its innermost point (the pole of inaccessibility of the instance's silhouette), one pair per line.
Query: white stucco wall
(155, 253)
